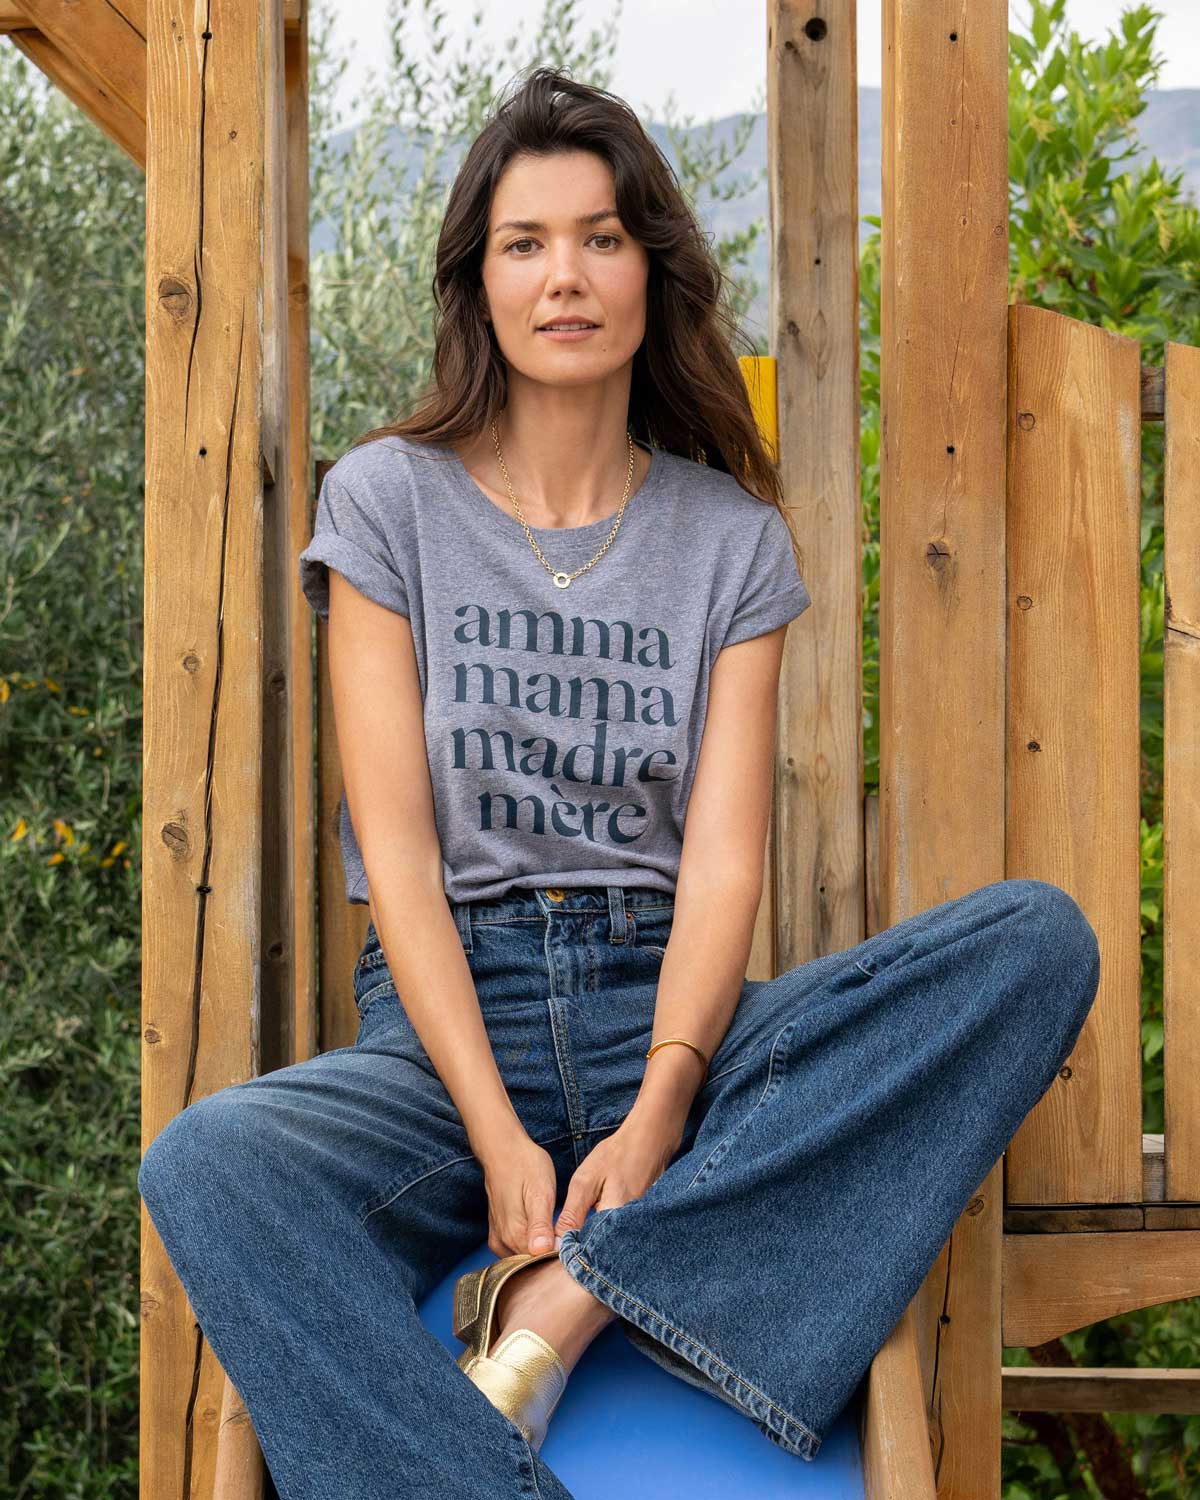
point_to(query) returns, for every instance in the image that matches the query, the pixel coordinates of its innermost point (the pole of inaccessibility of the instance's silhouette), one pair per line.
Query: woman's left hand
(621, 1167)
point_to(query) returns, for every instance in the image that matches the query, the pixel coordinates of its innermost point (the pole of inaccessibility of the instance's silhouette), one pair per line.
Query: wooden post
(217, 647)
(812, 146)
(942, 625)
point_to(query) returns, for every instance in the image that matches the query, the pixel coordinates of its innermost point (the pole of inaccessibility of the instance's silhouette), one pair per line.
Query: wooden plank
(103, 44)
(1078, 1218)
(1055, 1283)
(122, 124)
(305, 1040)
(1181, 768)
(282, 616)
(944, 294)
(896, 1459)
(812, 152)
(14, 14)
(1073, 715)
(1168, 1390)
(206, 633)
(343, 926)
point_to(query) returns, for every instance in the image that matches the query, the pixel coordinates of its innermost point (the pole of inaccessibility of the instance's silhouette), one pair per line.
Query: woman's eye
(614, 239)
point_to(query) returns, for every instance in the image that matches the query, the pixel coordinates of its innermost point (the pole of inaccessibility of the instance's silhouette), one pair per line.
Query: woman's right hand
(521, 1187)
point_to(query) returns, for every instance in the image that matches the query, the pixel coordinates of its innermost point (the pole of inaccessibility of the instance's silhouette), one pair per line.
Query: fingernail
(541, 1242)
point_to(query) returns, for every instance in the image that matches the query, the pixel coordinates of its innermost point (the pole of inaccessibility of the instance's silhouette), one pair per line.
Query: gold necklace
(561, 580)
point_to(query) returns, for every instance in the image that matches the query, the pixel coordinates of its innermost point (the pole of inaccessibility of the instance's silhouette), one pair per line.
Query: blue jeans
(852, 1109)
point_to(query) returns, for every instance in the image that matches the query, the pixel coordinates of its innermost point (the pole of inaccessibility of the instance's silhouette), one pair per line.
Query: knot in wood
(175, 297)
(175, 836)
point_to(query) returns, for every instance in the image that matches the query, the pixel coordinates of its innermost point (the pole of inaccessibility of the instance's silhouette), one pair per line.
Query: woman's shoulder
(715, 503)
(388, 465)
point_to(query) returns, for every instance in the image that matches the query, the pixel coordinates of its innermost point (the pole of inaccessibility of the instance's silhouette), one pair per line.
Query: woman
(557, 597)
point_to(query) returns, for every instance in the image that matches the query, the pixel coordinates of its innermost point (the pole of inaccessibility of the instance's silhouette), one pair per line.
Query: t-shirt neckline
(572, 537)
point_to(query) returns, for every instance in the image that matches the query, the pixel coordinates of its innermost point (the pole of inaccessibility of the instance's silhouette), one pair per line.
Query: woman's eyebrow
(536, 224)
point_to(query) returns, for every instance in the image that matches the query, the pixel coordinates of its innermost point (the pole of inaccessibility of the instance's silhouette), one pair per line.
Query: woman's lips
(567, 335)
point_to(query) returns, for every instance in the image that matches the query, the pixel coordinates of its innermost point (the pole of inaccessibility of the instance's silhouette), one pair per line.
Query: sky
(707, 52)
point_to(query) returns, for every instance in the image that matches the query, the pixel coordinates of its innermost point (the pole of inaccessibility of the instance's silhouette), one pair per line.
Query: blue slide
(625, 1427)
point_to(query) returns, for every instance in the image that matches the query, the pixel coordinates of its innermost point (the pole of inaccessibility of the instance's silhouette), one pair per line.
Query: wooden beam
(94, 51)
(215, 400)
(893, 1431)
(812, 147)
(304, 1040)
(122, 123)
(944, 296)
(14, 14)
(1168, 1391)
(1055, 1283)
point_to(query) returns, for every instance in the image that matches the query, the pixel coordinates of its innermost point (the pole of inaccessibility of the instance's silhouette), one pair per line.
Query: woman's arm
(720, 878)
(379, 722)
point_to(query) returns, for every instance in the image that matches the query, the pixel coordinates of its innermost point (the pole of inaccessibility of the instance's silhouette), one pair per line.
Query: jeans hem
(782, 1427)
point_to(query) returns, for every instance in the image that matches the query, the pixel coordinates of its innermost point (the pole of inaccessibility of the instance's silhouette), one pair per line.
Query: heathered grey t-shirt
(562, 725)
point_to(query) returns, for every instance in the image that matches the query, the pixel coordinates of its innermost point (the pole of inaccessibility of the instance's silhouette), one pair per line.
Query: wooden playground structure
(1009, 667)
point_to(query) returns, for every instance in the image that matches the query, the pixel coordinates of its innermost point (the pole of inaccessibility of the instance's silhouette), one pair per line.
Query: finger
(580, 1196)
(541, 1209)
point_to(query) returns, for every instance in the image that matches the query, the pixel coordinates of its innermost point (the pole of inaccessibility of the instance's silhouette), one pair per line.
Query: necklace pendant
(561, 580)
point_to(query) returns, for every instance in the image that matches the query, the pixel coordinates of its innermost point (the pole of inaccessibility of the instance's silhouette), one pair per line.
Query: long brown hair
(687, 393)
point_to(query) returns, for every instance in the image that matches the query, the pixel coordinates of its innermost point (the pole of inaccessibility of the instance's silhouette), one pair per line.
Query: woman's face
(556, 249)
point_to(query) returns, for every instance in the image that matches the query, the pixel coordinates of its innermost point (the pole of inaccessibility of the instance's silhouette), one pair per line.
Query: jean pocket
(652, 930)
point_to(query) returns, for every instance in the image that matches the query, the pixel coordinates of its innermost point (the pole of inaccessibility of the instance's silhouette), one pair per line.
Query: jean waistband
(540, 901)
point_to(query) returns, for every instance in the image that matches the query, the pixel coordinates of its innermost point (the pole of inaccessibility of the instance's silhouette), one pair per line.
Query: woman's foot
(542, 1296)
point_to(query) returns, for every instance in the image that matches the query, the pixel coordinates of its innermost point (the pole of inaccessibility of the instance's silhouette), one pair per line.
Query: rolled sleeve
(348, 537)
(773, 591)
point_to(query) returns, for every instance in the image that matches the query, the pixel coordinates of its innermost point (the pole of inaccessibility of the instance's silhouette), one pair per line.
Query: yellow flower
(64, 830)
(19, 831)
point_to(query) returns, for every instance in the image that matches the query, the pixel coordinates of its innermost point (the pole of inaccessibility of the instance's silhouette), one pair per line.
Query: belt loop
(462, 917)
(618, 924)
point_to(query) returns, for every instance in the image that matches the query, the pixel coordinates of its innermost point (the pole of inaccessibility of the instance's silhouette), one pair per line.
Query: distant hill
(1169, 129)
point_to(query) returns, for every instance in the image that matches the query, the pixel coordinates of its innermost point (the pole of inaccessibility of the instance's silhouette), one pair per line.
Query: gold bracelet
(666, 1041)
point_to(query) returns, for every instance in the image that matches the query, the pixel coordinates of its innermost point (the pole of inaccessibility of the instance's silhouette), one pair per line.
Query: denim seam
(388, 1196)
(384, 984)
(566, 1070)
(722, 1146)
(785, 1417)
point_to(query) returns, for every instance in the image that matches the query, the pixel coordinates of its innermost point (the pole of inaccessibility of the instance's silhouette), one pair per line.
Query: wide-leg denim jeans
(854, 1106)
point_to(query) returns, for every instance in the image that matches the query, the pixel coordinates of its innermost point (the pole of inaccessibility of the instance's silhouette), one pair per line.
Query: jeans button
(554, 894)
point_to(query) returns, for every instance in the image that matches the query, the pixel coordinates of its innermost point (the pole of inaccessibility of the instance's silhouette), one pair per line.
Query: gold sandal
(522, 1376)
